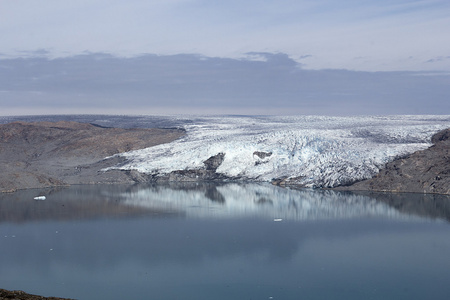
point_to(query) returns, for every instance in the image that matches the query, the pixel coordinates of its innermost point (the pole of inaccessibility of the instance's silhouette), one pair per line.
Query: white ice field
(318, 151)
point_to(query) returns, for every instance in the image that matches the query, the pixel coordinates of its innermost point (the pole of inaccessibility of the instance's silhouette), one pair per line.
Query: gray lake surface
(224, 241)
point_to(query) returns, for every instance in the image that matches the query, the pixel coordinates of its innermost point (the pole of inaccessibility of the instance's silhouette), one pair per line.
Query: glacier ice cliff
(309, 151)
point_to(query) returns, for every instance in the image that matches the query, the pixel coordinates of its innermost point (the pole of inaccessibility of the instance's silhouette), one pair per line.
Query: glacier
(311, 151)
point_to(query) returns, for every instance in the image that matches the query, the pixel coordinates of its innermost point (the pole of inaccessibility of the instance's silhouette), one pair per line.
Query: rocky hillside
(49, 154)
(426, 171)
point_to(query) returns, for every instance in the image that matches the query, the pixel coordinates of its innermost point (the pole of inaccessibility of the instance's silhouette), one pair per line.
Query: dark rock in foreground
(20, 295)
(42, 154)
(426, 171)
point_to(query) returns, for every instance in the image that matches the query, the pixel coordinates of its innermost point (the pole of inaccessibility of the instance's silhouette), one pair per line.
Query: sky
(234, 57)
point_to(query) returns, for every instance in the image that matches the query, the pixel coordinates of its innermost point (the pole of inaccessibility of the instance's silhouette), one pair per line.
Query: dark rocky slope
(20, 295)
(34, 155)
(426, 171)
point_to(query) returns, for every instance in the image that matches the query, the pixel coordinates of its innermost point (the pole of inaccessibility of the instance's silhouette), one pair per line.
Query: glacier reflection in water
(208, 200)
(230, 200)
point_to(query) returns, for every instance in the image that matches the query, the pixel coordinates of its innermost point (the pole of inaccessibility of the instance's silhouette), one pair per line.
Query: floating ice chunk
(39, 198)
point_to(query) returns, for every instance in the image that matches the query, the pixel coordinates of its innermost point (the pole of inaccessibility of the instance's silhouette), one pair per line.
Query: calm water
(229, 241)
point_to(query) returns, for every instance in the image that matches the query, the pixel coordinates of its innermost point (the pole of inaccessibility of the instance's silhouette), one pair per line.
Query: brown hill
(48, 154)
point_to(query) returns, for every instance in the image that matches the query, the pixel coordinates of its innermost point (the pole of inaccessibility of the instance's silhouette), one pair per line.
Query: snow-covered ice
(316, 151)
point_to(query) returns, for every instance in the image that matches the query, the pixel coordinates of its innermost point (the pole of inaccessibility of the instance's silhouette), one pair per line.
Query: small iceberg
(39, 198)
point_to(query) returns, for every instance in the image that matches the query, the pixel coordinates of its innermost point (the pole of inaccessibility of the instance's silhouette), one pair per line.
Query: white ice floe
(318, 151)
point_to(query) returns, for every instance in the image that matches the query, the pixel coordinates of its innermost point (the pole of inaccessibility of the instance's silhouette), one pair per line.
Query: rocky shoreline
(21, 295)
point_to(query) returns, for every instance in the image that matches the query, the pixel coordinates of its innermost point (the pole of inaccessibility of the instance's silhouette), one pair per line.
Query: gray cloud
(438, 59)
(387, 32)
(186, 83)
